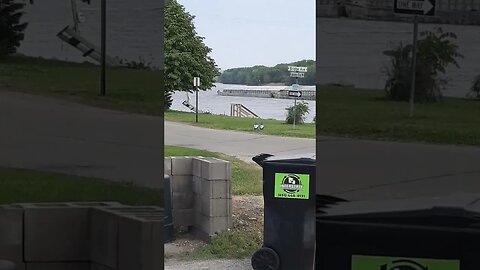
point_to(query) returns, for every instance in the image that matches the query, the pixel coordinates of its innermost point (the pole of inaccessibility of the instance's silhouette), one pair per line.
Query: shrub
(297, 112)
(475, 89)
(436, 51)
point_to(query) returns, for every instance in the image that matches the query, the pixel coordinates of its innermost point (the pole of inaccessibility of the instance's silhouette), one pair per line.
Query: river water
(134, 29)
(266, 108)
(350, 51)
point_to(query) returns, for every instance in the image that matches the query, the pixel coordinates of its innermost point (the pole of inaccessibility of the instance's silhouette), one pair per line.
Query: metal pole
(104, 47)
(414, 64)
(196, 104)
(295, 106)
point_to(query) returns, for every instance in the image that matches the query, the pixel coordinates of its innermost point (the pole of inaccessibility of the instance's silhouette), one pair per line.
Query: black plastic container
(289, 223)
(440, 233)
(169, 235)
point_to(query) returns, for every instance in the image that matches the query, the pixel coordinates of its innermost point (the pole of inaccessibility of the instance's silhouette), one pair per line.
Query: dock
(460, 12)
(281, 92)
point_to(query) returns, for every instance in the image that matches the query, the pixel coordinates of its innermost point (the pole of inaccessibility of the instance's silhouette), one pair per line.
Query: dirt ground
(247, 215)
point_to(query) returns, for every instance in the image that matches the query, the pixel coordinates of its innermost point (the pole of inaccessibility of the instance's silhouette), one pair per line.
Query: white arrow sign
(420, 6)
(296, 94)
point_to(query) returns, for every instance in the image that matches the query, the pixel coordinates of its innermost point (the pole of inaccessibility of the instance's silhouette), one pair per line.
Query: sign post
(296, 72)
(196, 84)
(104, 48)
(416, 8)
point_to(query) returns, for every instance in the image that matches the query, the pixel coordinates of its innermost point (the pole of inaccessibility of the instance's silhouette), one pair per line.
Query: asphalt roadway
(349, 168)
(60, 136)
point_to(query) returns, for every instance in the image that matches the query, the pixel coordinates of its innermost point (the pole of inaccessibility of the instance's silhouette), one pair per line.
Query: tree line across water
(262, 75)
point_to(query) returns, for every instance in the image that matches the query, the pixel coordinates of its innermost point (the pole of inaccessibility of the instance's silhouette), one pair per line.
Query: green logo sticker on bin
(292, 186)
(391, 263)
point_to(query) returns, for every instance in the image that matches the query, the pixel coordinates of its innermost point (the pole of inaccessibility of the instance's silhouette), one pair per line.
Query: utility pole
(104, 48)
(414, 64)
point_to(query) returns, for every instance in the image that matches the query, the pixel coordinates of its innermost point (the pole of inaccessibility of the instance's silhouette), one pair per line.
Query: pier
(462, 12)
(308, 92)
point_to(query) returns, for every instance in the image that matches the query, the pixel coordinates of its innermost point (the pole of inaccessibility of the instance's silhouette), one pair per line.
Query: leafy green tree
(261, 75)
(11, 30)
(186, 55)
(436, 51)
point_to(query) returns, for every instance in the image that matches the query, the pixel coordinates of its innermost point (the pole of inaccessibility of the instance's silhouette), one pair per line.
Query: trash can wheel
(265, 259)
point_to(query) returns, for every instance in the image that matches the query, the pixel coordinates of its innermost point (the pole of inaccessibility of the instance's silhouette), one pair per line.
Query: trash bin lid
(307, 158)
(457, 210)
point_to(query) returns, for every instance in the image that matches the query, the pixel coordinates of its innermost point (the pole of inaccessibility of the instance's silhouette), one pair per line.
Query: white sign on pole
(196, 81)
(415, 7)
(297, 75)
(297, 69)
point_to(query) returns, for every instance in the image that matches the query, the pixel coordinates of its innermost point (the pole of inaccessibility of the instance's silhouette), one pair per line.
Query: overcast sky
(255, 32)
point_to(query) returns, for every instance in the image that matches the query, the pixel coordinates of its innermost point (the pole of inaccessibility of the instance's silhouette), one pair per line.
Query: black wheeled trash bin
(429, 233)
(289, 213)
(169, 234)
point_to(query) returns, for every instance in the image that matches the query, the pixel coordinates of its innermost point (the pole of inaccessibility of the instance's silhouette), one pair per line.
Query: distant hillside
(262, 75)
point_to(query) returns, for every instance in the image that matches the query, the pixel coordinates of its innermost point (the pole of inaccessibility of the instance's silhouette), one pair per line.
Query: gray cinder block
(197, 166)
(167, 163)
(11, 234)
(183, 217)
(215, 169)
(216, 207)
(103, 237)
(212, 225)
(182, 183)
(138, 247)
(197, 184)
(182, 165)
(217, 189)
(56, 234)
(182, 200)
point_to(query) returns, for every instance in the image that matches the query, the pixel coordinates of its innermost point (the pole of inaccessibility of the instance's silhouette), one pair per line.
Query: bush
(475, 89)
(297, 112)
(435, 52)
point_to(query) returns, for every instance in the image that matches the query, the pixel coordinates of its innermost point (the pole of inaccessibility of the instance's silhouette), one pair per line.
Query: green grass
(27, 186)
(246, 177)
(367, 114)
(272, 127)
(228, 245)
(246, 180)
(138, 91)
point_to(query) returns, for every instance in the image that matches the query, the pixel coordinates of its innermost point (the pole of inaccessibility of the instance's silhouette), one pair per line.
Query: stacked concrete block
(82, 236)
(213, 196)
(201, 194)
(182, 191)
(63, 228)
(11, 235)
(139, 232)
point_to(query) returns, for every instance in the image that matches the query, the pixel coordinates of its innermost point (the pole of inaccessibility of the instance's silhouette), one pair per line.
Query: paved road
(365, 169)
(53, 135)
(354, 169)
(240, 144)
